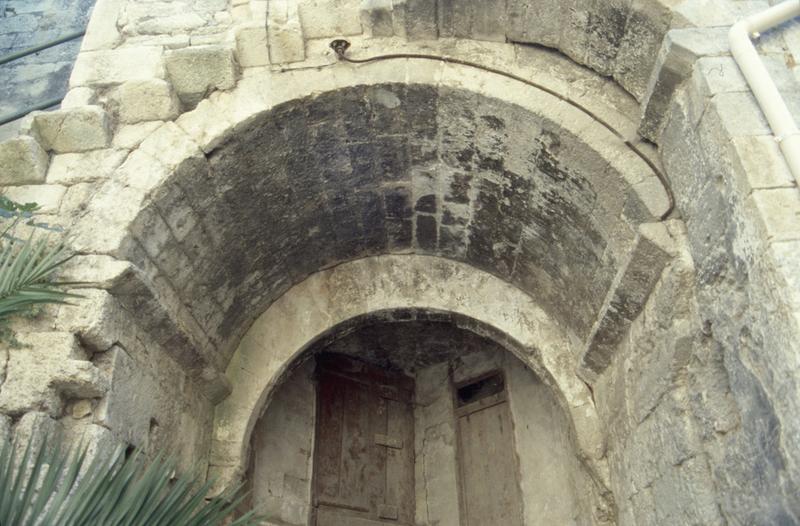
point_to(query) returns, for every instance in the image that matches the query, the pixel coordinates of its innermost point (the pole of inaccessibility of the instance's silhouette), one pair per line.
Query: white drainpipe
(772, 104)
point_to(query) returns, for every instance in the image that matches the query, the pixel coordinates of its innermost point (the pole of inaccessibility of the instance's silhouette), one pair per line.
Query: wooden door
(487, 460)
(364, 449)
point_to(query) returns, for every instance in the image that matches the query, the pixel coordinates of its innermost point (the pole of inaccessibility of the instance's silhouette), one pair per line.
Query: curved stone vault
(236, 194)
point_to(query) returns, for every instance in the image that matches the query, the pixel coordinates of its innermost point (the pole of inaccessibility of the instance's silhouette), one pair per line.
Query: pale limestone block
(76, 199)
(50, 365)
(47, 196)
(131, 136)
(284, 33)
(196, 71)
(241, 13)
(146, 100)
(22, 161)
(166, 41)
(251, 45)
(210, 39)
(104, 228)
(170, 145)
(185, 21)
(141, 171)
(206, 124)
(653, 196)
(74, 130)
(102, 32)
(762, 162)
(780, 212)
(258, 9)
(100, 321)
(109, 67)
(77, 97)
(72, 168)
(330, 18)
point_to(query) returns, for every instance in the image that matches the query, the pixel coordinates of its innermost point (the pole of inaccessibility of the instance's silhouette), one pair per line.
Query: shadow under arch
(335, 299)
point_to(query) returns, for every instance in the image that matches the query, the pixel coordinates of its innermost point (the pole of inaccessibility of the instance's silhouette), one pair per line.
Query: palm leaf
(50, 485)
(26, 268)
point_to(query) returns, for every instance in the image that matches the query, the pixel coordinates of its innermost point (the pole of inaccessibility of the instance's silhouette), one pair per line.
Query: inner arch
(320, 305)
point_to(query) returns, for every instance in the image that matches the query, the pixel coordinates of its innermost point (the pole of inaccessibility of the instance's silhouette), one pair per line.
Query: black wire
(340, 47)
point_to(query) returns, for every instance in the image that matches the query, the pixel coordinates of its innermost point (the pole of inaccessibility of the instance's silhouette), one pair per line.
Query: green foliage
(27, 265)
(52, 486)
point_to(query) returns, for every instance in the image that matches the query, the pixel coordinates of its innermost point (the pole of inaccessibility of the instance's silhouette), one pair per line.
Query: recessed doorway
(415, 422)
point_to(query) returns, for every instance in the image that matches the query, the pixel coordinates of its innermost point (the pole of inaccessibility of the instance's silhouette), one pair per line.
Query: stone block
(146, 100)
(142, 171)
(284, 33)
(47, 366)
(251, 45)
(110, 67)
(74, 130)
(105, 227)
(486, 20)
(171, 146)
(779, 209)
(130, 136)
(22, 161)
(77, 97)
(100, 442)
(634, 282)
(47, 196)
(196, 71)
(762, 162)
(674, 64)
(377, 18)
(73, 168)
(102, 31)
(329, 18)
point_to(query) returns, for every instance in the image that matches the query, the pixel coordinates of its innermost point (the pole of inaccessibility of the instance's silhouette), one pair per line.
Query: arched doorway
(410, 417)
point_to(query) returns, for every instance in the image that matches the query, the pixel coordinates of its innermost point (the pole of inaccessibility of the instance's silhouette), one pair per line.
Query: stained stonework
(237, 195)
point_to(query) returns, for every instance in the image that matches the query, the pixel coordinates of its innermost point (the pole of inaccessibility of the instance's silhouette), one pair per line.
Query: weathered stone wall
(44, 76)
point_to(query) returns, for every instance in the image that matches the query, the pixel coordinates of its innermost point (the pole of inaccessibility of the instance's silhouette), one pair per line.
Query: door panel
(364, 454)
(490, 492)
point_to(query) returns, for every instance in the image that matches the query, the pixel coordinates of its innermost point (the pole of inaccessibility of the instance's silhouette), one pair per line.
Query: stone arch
(328, 300)
(206, 197)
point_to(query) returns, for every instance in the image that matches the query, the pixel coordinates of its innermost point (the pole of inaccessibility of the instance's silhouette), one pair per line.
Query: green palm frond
(49, 485)
(26, 268)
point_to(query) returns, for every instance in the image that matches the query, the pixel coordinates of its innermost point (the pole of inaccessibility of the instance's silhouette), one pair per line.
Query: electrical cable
(340, 47)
